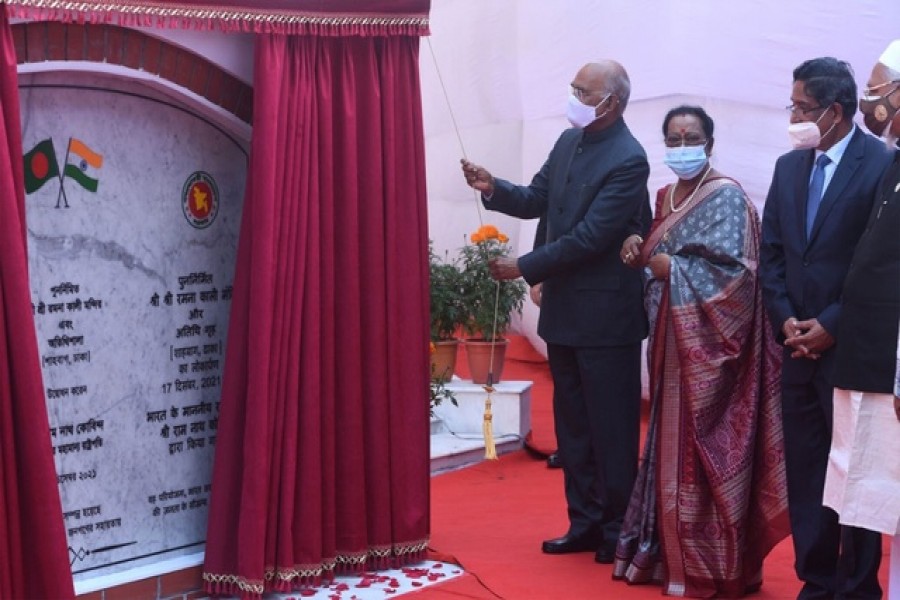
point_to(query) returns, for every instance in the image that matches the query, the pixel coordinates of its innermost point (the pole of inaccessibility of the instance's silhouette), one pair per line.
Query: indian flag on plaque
(84, 171)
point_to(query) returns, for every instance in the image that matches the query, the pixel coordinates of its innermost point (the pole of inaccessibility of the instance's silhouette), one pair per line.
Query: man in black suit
(816, 210)
(593, 190)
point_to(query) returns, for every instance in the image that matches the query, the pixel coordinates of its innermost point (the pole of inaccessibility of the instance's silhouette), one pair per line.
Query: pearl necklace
(681, 206)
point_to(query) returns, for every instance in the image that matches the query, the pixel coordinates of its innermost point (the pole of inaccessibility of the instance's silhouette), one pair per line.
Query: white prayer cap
(891, 56)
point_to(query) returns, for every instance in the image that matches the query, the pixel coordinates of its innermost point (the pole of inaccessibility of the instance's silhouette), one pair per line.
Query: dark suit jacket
(803, 278)
(870, 305)
(589, 298)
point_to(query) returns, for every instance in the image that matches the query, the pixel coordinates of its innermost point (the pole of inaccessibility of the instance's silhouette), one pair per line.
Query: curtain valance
(312, 17)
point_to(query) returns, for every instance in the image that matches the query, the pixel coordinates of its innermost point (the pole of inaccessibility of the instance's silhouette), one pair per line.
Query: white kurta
(863, 479)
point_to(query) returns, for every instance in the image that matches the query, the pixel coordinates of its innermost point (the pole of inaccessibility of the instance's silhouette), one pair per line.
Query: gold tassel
(490, 449)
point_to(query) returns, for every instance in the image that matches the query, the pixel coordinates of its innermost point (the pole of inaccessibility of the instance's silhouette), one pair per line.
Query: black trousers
(596, 407)
(833, 561)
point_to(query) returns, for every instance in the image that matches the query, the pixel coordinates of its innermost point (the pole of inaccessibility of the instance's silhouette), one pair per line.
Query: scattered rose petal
(413, 573)
(417, 584)
(307, 592)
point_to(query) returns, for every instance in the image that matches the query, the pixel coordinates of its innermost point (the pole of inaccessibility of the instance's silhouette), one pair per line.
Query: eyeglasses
(581, 93)
(799, 108)
(868, 91)
(688, 140)
(868, 96)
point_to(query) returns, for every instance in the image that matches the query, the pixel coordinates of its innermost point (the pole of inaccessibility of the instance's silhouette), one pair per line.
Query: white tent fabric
(506, 66)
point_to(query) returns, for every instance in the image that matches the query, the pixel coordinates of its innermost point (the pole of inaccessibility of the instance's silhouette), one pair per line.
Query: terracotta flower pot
(478, 353)
(443, 360)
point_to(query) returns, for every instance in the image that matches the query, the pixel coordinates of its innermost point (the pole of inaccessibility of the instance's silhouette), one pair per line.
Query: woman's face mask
(686, 161)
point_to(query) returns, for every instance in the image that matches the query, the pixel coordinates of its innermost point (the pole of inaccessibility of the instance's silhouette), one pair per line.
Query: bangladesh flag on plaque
(40, 166)
(88, 161)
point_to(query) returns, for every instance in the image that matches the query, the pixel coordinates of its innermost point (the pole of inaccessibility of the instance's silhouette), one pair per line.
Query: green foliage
(439, 391)
(447, 310)
(480, 294)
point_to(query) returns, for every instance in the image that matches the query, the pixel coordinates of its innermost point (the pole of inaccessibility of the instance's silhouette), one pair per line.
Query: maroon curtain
(33, 556)
(322, 460)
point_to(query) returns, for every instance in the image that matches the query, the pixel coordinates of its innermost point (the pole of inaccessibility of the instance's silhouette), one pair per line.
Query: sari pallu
(710, 500)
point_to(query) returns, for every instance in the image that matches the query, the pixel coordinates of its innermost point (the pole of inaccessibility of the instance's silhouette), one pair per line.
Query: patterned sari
(710, 500)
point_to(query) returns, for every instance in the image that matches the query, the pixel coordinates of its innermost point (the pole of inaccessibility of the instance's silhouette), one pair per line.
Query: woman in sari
(710, 500)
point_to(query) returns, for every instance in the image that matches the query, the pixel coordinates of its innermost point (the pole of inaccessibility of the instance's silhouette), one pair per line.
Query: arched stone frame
(43, 45)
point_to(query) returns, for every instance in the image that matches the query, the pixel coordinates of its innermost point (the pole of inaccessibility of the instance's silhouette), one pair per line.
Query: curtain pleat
(322, 463)
(33, 554)
(406, 233)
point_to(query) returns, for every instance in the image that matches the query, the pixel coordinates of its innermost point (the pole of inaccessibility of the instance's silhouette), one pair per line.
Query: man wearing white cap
(863, 478)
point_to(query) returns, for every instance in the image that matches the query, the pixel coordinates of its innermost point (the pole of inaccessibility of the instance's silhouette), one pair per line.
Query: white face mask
(581, 115)
(805, 134)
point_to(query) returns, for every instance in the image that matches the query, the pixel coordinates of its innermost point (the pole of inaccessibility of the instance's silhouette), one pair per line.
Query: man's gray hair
(619, 84)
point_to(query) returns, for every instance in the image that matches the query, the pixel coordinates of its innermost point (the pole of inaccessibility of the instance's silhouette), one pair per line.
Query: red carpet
(491, 518)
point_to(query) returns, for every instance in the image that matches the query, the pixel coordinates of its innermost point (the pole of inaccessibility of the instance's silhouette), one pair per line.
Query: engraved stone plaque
(133, 210)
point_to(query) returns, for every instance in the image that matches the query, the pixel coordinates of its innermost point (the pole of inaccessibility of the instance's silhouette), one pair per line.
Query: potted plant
(447, 314)
(439, 391)
(489, 304)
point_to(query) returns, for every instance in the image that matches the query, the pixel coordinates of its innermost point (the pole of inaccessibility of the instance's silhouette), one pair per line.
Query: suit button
(579, 150)
(805, 263)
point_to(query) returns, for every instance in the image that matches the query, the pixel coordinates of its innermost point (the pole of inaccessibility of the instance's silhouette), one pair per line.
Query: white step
(457, 438)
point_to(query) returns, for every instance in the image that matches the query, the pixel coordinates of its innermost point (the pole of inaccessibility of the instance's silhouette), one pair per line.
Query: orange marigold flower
(489, 231)
(503, 238)
(432, 348)
(476, 237)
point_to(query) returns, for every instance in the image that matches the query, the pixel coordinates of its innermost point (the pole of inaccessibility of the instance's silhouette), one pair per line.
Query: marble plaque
(133, 211)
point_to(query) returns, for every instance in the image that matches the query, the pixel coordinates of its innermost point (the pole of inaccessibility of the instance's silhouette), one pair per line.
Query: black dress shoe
(553, 461)
(606, 554)
(570, 543)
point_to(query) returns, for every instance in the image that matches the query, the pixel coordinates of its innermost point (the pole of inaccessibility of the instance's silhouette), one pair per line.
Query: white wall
(506, 66)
